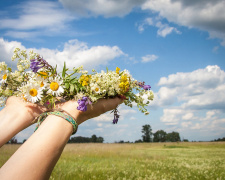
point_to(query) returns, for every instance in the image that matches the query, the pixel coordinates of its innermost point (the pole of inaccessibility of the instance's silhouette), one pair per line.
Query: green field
(192, 161)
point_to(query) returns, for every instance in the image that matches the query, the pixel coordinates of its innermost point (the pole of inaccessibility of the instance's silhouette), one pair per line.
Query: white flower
(32, 92)
(3, 76)
(95, 88)
(20, 67)
(146, 113)
(55, 87)
(150, 95)
(3, 66)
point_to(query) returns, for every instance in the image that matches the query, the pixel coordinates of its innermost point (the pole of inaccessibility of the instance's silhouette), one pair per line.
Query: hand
(94, 110)
(26, 109)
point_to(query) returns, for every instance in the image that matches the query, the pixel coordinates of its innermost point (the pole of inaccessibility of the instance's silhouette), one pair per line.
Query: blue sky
(176, 46)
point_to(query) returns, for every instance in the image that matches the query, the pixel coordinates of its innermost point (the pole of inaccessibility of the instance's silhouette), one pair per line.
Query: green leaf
(64, 70)
(72, 88)
(67, 85)
(9, 69)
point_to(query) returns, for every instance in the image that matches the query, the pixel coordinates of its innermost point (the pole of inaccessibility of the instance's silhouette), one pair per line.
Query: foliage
(92, 139)
(159, 136)
(13, 141)
(220, 139)
(147, 133)
(173, 137)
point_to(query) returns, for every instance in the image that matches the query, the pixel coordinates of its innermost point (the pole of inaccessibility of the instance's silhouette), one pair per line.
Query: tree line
(148, 136)
(81, 139)
(158, 136)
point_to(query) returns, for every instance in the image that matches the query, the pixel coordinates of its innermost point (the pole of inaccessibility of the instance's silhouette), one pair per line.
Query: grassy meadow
(193, 160)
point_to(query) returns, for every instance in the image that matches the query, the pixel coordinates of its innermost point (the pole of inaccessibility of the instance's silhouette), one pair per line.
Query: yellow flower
(43, 74)
(124, 84)
(54, 86)
(124, 78)
(84, 80)
(117, 70)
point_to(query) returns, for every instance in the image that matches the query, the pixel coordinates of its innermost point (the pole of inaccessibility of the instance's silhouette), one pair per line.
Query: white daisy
(33, 92)
(95, 88)
(3, 76)
(55, 87)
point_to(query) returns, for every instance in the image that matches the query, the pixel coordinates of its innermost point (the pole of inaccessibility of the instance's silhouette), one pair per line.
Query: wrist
(71, 108)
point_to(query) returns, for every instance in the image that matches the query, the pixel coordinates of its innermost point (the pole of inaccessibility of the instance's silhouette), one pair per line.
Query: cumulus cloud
(36, 18)
(74, 53)
(193, 100)
(6, 50)
(205, 14)
(149, 58)
(104, 8)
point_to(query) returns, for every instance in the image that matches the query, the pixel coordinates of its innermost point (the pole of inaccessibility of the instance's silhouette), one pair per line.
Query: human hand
(93, 110)
(28, 111)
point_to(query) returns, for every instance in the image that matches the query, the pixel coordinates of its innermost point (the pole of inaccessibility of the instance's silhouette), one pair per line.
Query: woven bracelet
(60, 113)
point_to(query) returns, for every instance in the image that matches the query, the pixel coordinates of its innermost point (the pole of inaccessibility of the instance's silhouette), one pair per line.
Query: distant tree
(173, 137)
(80, 139)
(220, 139)
(13, 140)
(94, 138)
(100, 139)
(185, 140)
(138, 141)
(159, 136)
(147, 133)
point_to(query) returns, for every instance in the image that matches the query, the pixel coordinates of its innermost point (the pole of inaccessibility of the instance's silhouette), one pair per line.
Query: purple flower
(116, 116)
(142, 84)
(38, 63)
(82, 103)
(146, 87)
(35, 65)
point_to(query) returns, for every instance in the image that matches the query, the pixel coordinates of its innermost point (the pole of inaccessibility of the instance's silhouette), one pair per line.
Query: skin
(36, 158)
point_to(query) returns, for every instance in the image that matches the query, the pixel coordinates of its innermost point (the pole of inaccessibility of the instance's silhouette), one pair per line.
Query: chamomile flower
(55, 86)
(3, 76)
(42, 79)
(33, 93)
(95, 88)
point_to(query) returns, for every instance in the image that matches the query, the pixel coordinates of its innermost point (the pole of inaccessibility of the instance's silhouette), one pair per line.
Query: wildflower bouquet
(44, 85)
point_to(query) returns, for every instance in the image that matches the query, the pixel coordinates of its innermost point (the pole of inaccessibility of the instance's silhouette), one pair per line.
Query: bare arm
(36, 158)
(16, 116)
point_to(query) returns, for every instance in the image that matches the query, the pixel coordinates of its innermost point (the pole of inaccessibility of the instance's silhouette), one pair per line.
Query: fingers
(101, 106)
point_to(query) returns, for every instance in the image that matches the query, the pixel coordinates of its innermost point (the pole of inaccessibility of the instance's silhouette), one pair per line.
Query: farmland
(191, 160)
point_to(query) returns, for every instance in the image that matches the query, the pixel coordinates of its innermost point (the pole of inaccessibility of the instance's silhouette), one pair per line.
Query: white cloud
(201, 89)
(188, 116)
(6, 50)
(206, 15)
(149, 58)
(104, 8)
(163, 29)
(75, 53)
(193, 101)
(36, 18)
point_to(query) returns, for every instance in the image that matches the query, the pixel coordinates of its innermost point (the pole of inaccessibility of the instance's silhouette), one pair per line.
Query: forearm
(11, 122)
(36, 158)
